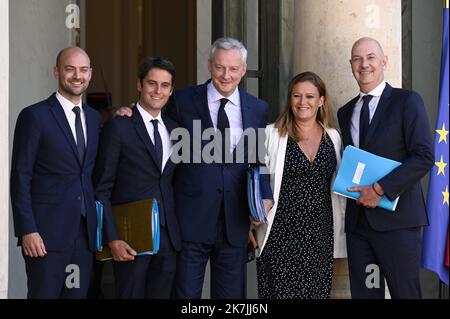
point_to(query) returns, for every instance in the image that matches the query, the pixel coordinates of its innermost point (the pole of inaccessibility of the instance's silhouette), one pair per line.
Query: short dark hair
(158, 63)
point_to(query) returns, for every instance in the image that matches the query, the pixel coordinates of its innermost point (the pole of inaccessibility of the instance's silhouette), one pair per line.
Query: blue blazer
(400, 131)
(127, 171)
(201, 187)
(47, 177)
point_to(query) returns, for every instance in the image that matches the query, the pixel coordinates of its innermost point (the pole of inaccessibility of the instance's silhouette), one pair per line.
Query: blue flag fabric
(435, 235)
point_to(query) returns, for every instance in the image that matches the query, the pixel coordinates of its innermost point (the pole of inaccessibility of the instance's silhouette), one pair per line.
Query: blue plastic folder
(99, 208)
(255, 200)
(360, 168)
(155, 228)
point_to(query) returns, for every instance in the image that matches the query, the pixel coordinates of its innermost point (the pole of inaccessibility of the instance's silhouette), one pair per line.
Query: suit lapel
(346, 126)
(61, 119)
(201, 104)
(143, 134)
(170, 125)
(92, 131)
(382, 107)
(246, 111)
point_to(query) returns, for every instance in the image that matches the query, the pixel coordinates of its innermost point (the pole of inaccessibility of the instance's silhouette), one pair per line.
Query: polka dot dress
(297, 260)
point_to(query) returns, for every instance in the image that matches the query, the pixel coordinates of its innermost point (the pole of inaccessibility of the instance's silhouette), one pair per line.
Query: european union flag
(436, 235)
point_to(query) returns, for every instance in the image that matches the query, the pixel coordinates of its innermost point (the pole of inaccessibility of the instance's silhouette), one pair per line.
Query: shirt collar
(147, 117)
(66, 104)
(376, 92)
(215, 96)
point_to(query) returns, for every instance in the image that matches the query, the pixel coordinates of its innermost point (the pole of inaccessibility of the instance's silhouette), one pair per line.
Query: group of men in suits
(203, 205)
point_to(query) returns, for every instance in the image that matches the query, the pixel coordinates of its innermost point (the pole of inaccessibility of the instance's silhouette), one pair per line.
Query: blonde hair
(286, 121)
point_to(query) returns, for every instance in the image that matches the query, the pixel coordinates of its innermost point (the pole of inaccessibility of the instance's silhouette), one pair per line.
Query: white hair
(229, 44)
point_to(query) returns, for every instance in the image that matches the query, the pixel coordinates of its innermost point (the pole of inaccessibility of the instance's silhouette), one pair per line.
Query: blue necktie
(159, 156)
(80, 147)
(364, 120)
(222, 124)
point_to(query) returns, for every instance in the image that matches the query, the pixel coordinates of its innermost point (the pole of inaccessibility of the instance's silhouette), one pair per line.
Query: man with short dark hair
(54, 149)
(210, 189)
(133, 164)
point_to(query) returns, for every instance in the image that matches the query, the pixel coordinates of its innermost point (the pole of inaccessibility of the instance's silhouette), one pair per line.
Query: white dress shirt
(373, 104)
(163, 132)
(70, 115)
(232, 109)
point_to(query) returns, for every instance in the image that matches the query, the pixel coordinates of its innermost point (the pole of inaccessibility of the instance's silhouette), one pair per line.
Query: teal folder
(360, 168)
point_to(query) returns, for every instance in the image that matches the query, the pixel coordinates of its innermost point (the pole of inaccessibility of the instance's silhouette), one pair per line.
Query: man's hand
(33, 245)
(121, 251)
(125, 110)
(268, 204)
(369, 198)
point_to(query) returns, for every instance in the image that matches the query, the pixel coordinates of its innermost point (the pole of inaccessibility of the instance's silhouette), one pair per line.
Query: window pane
(252, 34)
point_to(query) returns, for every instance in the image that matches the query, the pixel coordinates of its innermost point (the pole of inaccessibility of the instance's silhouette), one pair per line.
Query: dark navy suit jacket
(47, 177)
(126, 171)
(201, 188)
(400, 131)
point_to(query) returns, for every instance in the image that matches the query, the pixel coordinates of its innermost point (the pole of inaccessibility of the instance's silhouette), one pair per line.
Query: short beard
(70, 92)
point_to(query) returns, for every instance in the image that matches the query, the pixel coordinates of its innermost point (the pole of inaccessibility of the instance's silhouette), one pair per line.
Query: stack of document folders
(255, 200)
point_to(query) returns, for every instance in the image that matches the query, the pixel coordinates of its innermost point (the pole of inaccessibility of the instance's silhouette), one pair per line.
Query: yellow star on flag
(442, 134)
(441, 165)
(445, 194)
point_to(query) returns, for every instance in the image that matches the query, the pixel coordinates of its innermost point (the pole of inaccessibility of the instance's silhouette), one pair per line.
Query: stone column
(324, 33)
(203, 39)
(4, 146)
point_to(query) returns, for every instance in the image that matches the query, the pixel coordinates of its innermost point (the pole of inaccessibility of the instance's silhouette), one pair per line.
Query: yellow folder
(134, 225)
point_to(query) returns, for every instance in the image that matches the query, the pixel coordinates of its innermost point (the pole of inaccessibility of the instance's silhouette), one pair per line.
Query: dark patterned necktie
(158, 143)
(364, 120)
(79, 133)
(159, 156)
(81, 148)
(222, 125)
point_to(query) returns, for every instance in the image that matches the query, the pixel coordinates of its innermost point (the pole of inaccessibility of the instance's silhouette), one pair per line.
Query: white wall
(37, 33)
